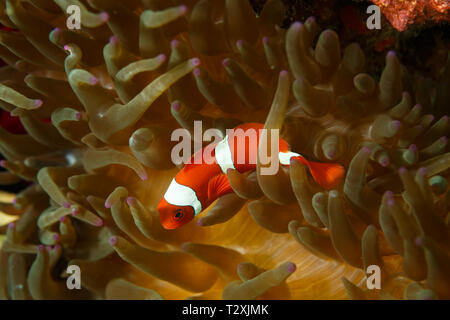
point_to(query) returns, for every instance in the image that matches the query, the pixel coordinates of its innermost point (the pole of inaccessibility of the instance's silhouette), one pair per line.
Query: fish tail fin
(327, 175)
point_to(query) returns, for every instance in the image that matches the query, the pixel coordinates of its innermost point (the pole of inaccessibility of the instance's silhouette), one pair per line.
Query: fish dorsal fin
(218, 186)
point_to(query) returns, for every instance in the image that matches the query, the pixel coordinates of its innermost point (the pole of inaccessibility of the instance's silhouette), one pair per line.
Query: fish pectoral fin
(218, 186)
(327, 175)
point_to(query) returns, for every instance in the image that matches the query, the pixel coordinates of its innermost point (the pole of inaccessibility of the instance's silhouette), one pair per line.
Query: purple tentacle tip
(113, 40)
(93, 81)
(196, 72)
(57, 247)
(239, 43)
(62, 219)
(284, 73)
(104, 16)
(56, 237)
(38, 103)
(162, 57)
(99, 222)
(396, 124)
(78, 116)
(419, 241)
(113, 240)
(423, 171)
(174, 43)
(183, 9)
(412, 148)
(130, 201)
(66, 205)
(296, 25)
(300, 80)
(200, 222)
(384, 162)
(226, 62)
(291, 268)
(2, 163)
(265, 40)
(402, 170)
(11, 225)
(107, 204)
(389, 197)
(391, 54)
(195, 62)
(176, 106)
(366, 150)
(331, 154)
(40, 247)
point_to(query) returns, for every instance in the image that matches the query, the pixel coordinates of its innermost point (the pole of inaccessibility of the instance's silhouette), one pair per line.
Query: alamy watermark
(374, 280)
(74, 279)
(242, 144)
(374, 21)
(73, 21)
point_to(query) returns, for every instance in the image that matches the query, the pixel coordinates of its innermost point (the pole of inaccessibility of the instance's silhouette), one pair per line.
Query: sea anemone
(139, 69)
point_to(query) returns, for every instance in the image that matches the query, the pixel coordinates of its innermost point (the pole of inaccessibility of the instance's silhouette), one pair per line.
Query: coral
(139, 69)
(402, 13)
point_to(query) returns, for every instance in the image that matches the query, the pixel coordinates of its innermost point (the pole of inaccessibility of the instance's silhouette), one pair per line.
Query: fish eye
(178, 215)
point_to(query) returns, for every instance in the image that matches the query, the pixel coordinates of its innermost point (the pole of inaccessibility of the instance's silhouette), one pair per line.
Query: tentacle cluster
(137, 70)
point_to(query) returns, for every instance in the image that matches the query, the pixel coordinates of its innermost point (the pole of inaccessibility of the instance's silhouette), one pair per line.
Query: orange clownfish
(196, 186)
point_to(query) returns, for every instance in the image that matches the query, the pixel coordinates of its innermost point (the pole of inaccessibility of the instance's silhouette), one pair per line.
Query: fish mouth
(168, 224)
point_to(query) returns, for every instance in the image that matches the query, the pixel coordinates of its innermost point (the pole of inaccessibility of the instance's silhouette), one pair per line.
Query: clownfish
(197, 186)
